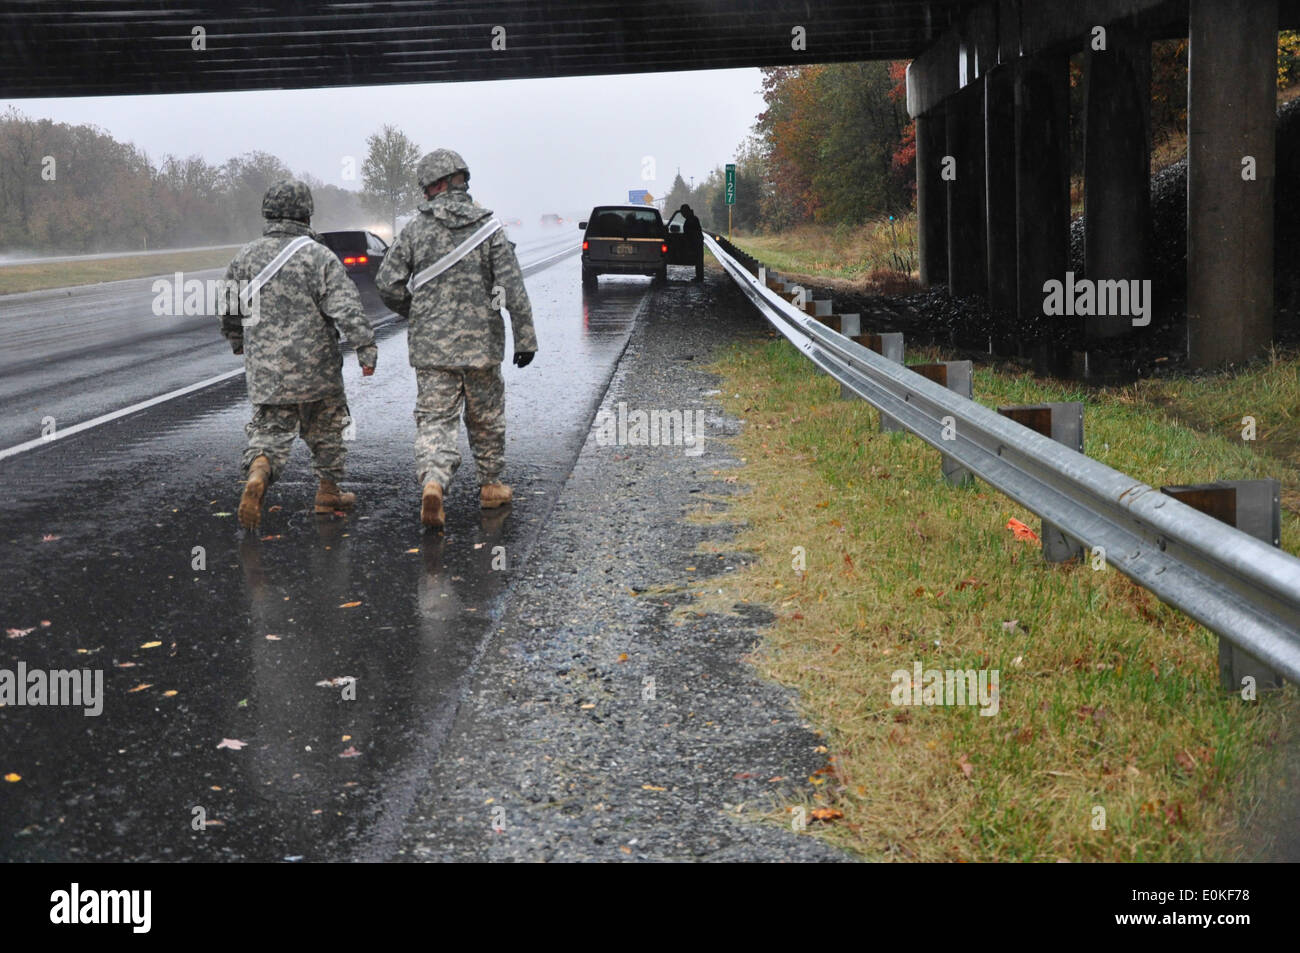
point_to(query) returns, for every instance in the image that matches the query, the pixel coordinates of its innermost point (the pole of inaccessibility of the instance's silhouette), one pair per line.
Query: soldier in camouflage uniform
(456, 336)
(289, 339)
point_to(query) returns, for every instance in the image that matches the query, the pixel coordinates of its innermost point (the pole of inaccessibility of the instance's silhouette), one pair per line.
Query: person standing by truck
(695, 236)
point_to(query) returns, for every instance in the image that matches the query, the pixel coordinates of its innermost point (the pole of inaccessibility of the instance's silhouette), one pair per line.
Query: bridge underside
(118, 47)
(990, 99)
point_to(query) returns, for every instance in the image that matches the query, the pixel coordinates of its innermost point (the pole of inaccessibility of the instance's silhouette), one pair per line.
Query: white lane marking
(191, 388)
(117, 414)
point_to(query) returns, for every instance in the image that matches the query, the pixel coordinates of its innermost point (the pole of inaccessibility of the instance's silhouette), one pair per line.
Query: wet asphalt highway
(99, 534)
(76, 353)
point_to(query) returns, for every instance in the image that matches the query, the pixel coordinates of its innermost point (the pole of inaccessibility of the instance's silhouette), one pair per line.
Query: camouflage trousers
(320, 423)
(442, 393)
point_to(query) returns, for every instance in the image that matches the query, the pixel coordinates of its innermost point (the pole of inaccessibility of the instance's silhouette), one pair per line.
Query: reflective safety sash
(456, 254)
(269, 272)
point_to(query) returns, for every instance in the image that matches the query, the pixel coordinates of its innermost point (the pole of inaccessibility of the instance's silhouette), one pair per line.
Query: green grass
(64, 274)
(1109, 698)
(867, 257)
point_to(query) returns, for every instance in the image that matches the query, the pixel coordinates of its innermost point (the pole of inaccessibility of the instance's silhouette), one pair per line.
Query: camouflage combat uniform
(456, 338)
(292, 362)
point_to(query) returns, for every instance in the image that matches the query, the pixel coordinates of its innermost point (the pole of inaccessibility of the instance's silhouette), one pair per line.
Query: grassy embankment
(63, 274)
(868, 258)
(1108, 698)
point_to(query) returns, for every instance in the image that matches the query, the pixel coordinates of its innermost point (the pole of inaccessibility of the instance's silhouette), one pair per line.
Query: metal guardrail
(1235, 585)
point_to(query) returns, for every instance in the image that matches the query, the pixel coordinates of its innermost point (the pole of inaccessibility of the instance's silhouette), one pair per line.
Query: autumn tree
(388, 173)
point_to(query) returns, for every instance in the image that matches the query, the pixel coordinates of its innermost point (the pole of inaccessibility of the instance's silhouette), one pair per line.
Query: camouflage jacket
(452, 319)
(291, 349)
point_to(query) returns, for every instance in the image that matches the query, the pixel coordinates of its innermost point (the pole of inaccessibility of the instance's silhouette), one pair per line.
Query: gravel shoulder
(563, 749)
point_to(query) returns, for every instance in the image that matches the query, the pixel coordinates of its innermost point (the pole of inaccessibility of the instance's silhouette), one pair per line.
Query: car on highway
(623, 240)
(550, 218)
(361, 252)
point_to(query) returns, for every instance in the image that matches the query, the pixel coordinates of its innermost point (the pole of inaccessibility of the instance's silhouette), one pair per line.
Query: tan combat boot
(493, 495)
(330, 498)
(250, 504)
(431, 513)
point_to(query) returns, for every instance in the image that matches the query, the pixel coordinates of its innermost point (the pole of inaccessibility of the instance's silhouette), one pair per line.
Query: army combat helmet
(439, 164)
(288, 198)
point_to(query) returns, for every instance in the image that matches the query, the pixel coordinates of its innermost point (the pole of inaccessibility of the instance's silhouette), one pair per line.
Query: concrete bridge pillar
(1042, 179)
(967, 264)
(931, 198)
(1231, 115)
(1000, 186)
(1117, 166)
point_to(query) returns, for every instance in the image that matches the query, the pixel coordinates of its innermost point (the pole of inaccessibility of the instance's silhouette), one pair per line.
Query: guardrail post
(888, 345)
(846, 324)
(1255, 508)
(1063, 422)
(956, 376)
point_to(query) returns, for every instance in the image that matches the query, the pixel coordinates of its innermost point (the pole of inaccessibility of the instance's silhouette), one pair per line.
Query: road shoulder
(607, 721)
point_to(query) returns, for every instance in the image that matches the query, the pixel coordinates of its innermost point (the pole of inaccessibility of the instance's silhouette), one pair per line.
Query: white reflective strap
(455, 255)
(269, 272)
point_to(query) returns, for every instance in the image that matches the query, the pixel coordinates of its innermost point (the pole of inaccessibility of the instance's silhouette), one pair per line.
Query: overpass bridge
(987, 86)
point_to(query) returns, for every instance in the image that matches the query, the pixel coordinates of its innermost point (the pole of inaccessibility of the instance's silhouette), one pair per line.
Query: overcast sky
(532, 145)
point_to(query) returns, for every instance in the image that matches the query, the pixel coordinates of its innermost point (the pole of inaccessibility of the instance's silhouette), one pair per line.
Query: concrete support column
(1042, 179)
(1000, 186)
(931, 198)
(1231, 115)
(1117, 166)
(967, 263)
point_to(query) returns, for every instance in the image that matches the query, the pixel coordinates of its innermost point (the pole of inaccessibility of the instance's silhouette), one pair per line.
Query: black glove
(524, 358)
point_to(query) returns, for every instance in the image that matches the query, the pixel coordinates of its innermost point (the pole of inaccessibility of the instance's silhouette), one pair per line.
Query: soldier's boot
(250, 504)
(431, 513)
(493, 495)
(330, 498)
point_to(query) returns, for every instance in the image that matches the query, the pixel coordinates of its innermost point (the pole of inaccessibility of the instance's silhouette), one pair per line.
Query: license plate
(625, 249)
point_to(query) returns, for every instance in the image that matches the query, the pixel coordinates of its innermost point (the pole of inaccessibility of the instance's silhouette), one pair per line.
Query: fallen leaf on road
(243, 703)
(350, 605)
(234, 744)
(223, 514)
(351, 752)
(267, 539)
(170, 693)
(651, 787)
(13, 778)
(588, 705)
(626, 850)
(18, 633)
(126, 665)
(49, 538)
(622, 657)
(46, 623)
(273, 638)
(414, 550)
(139, 688)
(151, 645)
(825, 814)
